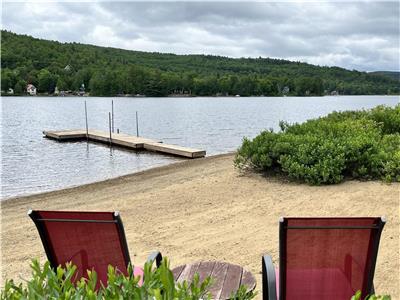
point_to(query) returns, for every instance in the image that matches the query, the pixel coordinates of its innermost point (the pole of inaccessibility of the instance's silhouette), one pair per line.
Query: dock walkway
(124, 140)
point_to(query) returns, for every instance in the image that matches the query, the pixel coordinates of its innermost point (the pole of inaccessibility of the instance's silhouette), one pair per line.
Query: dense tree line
(392, 74)
(109, 71)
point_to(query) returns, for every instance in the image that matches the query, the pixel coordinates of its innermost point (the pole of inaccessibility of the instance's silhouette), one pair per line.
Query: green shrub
(47, 283)
(357, 296)
(356, 144)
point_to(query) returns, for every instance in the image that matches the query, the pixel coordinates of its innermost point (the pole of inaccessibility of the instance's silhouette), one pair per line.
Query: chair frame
(153, 257)
(268, 270)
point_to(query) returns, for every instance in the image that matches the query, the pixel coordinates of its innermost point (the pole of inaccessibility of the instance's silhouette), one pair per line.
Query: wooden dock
(124, 140)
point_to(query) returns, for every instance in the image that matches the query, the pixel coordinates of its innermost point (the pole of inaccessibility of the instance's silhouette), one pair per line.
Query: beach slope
(205, 209)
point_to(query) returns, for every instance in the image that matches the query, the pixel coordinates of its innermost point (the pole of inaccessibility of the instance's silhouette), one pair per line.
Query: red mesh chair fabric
(327, 258)
(90, 240)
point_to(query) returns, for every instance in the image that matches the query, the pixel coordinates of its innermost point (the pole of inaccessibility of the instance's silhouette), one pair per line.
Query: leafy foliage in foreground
(109, 71)
(357, 296)
(356, 144)
(159, 284)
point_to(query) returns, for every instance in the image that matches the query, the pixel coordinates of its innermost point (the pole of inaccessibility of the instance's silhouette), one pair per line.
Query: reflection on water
(32, 164)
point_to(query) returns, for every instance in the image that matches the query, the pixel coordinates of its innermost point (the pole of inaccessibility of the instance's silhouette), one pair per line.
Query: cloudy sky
(362, 35)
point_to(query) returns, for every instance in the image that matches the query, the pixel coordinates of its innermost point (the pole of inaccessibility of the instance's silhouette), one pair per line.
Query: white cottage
(31, 89)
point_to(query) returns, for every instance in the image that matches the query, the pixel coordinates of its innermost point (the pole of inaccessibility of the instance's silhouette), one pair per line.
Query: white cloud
(360, 35)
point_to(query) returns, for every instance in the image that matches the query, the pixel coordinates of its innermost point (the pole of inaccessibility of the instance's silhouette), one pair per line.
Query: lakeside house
(67, 68)
(285, 90)
(334, 93)
(81, 90)
(31, 89)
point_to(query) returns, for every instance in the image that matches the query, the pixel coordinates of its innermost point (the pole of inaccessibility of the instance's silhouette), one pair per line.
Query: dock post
(137, 125)
(109, 125)
(87, 128)
(112, 115)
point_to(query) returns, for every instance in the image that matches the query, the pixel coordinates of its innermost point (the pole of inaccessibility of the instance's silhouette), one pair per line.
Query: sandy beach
(205, 209)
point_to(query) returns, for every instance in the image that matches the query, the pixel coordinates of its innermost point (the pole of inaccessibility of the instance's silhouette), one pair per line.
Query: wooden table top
(226, 277)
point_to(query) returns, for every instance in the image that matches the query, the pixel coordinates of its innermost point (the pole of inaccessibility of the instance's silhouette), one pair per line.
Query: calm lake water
(32, 164)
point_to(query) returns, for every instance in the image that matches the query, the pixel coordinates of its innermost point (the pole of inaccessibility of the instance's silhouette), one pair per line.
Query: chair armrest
(155, 256)
(268, 279)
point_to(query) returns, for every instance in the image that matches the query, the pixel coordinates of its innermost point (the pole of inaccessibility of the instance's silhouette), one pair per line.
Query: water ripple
(33, 164)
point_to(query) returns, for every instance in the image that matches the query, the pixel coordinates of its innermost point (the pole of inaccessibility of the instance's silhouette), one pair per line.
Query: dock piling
(87, 128)
(109, 125)
(137, 125)
(112, 115)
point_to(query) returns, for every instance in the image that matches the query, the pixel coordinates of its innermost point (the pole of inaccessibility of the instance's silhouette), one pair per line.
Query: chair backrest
(327, 258)
(90, 240)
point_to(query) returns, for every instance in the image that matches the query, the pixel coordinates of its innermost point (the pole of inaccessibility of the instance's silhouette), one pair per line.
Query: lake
(33, 164)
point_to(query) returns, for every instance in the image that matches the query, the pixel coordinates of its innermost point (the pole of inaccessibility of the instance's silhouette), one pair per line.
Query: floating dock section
(124, 140)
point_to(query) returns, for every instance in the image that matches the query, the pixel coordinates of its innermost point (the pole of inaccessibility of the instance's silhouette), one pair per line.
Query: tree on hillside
(32, 77)
(137, 77)
(46, 81)
(8, 79)
(81, 77)
(108, 71)
(155, 86)
(103, 84)
(309, 86)
(20, 87)
(62, 85)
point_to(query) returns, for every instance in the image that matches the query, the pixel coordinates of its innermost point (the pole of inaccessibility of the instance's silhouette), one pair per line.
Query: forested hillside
(394, 75)
(109, 71)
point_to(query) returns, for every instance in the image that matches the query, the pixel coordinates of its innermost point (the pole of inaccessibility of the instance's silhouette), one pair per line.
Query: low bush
(47, 283)
(357, 144)
(357, 296)
(159, 284)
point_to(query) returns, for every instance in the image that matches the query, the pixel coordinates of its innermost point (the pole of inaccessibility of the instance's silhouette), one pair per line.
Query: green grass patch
(352, 144)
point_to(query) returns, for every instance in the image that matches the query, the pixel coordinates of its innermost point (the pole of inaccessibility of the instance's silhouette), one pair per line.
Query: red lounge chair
(323, 258)
(90, 240)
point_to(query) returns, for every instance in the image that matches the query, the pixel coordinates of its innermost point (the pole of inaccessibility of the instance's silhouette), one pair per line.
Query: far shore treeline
(99, 71)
